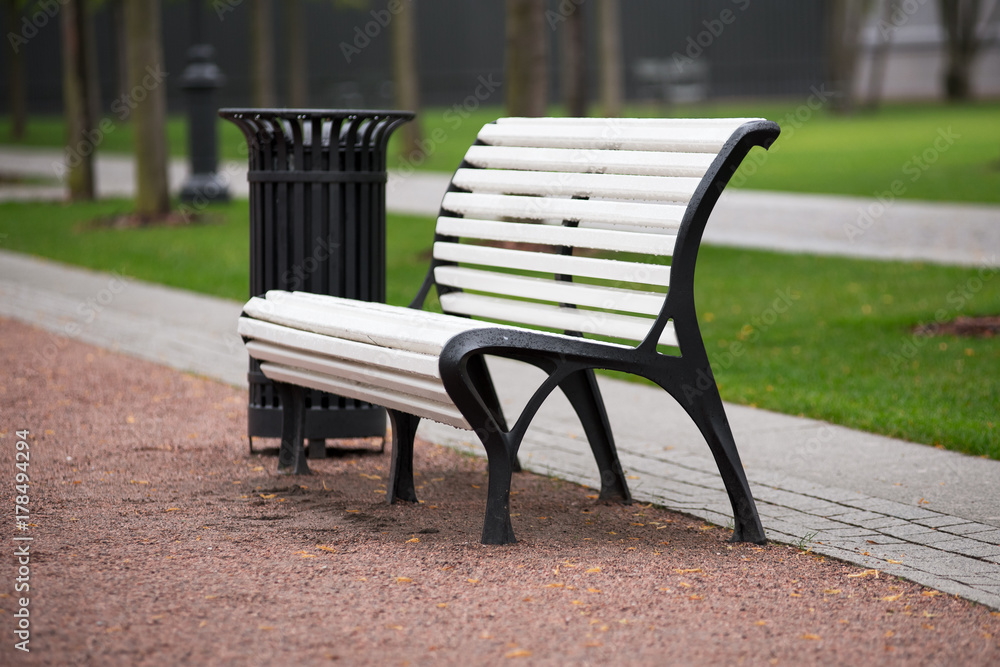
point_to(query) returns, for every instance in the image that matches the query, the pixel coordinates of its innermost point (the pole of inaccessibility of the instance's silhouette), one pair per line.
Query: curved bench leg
(497, 528)
(480, 376)
(709, 414)
(292, 454)
(585, 396)
(404, 430)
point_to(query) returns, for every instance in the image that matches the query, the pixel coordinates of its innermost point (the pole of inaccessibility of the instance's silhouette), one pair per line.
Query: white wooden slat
(589, 267)
(447, 414)
(665, 216)
(326, 302)
(400, 330)
(590, 161)
(624, 122)
(410, 362)
(370, 375)
(688, 139)
(570, 319)
(650, 243)
(565, 184)
(546, 289)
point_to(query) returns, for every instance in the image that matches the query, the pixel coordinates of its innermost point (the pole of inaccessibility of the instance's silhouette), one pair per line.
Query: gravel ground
(158, 539)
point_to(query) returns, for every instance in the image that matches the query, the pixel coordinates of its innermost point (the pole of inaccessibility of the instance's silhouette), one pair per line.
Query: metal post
(200, 80)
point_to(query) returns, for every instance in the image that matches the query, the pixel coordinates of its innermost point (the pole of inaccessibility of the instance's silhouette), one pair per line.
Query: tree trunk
(81, 134)
(610, 57)
(406, 78)
(526, 59)
(121, 47)
(16, 91)
(960, 21)
(262, 54)
(844, 19)
(298, 55)
(880, 54)
(93, 71)
(574, 64)
(149, 98)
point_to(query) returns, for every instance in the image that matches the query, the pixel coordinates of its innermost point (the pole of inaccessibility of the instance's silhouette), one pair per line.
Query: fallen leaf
(576, 602)
(473, 581)
(267, 496)
(519, 653)
(403, 580)
(593, 644)
(794, 595)
(811, 637)
(442, 605)
(172, 509)
(138, 481)
(265, 627)
(555, 585)
(413, 539)
(832, 591)
(687, 571)
(928, 626)
(211, 597)
(304, 554)
(864, 573)
(891, 598)
(889, 633)
(593, 590)
(326, 548)
(684, 584)
(593, 570)
(930, 594)
(761, 623)
(894, 562)
(130, 419)
(696, 597)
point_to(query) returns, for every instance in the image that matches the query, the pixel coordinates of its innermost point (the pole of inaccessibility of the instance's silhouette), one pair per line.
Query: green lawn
(934, 152)
(840, 348)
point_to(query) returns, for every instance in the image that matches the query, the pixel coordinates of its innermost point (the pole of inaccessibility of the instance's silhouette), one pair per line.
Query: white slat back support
(601, 187)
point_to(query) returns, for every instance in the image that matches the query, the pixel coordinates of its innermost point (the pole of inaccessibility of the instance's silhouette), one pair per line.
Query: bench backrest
(577, 224)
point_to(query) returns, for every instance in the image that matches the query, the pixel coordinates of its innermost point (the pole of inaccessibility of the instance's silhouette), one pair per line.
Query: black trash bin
(317, 224)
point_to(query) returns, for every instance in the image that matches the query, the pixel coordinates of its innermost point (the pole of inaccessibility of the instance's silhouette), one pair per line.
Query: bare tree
(262, 53)
(880, 54)
(405, 76)
(844, 21)
(610, 57)
(526, 58)
(573, 63)
(80, 123)
(17, 91)
(298, 56)
(149, 114)
(961, 23)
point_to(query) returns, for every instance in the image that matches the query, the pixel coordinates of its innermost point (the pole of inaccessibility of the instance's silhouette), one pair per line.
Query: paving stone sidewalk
(927, 515)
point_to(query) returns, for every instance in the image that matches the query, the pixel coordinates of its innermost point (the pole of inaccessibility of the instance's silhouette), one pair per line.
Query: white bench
(576, 226)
